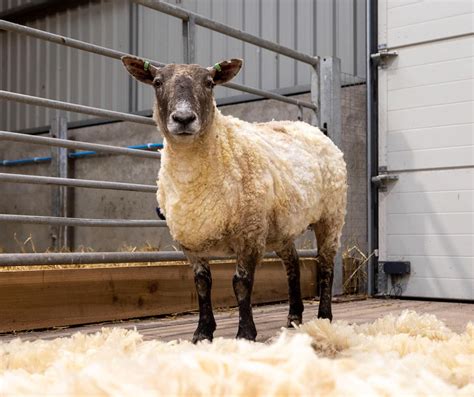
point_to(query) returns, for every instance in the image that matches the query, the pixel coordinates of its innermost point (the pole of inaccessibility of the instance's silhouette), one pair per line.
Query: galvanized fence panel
(188, 23)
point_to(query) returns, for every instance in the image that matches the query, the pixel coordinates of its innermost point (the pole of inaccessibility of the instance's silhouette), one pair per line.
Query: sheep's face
(184, 94)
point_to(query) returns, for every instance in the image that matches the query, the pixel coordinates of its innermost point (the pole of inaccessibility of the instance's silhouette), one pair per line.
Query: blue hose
(74, 155)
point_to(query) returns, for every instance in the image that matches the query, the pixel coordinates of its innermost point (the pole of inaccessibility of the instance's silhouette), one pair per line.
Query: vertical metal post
(330, 98)
(133, 49)
(330, 122)
(189, 39)
(315, 95)
(60, 168)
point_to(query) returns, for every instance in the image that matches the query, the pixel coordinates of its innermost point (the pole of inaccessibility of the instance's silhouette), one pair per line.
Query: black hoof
(249, 333)
(325, 313)
(294, 319)
(204, 333)
(199, 336)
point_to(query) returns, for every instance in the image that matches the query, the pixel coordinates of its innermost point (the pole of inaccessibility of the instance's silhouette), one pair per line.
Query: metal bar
(32, 160)
(81, 45)
(40, 140)
(227, 30)
(79, 258)
(330, 121)
(74, 155)
(61, 221)
(84, 183)
(372, 146)
(189, 38)
(330, 98)
(270, 95)
(74, 107)
(315, 96)
(60, 235)
(66, 41)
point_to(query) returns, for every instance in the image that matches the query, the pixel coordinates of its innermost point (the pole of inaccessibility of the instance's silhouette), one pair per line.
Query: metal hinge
(383, 178)
(382, 57)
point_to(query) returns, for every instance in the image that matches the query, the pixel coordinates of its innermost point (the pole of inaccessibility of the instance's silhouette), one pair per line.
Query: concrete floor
(270, 318)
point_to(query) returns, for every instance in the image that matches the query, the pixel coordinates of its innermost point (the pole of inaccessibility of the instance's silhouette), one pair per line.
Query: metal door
(426, 153)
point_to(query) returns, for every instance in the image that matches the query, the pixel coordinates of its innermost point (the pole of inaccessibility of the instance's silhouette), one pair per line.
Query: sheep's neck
(196, 163)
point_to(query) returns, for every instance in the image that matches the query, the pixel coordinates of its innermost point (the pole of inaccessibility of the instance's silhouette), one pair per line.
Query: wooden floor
(270, 318)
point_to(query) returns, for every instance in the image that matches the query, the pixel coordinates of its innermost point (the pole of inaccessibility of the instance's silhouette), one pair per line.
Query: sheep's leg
(203, 283)
(289, 256)
(327, 235)
(243, 284)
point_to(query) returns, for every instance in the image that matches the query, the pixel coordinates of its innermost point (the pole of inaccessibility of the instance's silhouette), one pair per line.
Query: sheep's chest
(197, 214)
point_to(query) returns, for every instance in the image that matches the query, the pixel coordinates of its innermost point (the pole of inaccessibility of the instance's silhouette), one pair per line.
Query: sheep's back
(304, 170)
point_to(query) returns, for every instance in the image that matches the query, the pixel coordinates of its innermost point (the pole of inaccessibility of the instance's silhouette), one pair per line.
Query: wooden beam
(50, 298)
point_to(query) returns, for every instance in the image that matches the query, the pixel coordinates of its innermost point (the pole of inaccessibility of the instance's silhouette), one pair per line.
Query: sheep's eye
(209, 83)
(157, 83)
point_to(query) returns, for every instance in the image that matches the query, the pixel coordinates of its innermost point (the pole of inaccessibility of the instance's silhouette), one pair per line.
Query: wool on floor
(410, 354)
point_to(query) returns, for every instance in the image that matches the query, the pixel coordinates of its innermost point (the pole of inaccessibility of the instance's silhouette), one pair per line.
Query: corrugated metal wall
(6, 4)
(37, 67)
(323, 27)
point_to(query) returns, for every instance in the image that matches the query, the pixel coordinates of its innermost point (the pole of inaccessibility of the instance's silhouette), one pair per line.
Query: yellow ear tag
(217, 67)
(146, 65)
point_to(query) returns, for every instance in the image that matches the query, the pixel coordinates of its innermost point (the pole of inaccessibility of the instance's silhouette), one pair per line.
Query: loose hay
(410, 354)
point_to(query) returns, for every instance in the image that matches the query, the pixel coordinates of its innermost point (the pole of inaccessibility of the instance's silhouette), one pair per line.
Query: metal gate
(426, 152)
(325, 105)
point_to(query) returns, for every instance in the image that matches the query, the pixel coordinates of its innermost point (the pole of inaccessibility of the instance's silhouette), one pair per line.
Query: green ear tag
(146, 65)
(217, 67)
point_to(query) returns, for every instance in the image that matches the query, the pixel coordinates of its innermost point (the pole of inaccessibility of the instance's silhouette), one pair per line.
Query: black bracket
(396, 268)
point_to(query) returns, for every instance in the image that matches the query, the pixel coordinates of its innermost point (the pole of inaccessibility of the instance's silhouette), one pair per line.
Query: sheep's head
(184, 94)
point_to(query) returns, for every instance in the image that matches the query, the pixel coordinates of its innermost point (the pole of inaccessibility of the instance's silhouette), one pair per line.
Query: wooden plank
(269, 319)
(49, 298)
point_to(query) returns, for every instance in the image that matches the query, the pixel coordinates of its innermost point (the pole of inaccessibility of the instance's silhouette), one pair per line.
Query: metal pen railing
(96, 49)
(189, 19)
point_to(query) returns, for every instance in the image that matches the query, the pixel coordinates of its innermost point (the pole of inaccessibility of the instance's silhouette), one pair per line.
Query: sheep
(227, 186)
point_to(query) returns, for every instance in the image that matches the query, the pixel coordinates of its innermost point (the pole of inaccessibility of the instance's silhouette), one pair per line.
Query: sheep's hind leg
(243, 284)
(289, 256)
(203, 283)
(327, 237)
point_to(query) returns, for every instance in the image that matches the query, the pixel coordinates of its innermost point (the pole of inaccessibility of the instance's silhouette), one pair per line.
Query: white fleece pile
(410, 354)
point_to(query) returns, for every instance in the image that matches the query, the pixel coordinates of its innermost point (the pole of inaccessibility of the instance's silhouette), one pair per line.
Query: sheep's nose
(183, 116)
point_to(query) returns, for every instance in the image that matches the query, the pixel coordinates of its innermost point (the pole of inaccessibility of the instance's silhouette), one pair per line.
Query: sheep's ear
(224, 71)
(142, 70)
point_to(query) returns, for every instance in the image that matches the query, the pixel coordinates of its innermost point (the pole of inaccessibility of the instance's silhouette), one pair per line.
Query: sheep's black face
(184, 94)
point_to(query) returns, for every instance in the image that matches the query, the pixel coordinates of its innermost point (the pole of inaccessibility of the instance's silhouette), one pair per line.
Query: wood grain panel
(50, 298)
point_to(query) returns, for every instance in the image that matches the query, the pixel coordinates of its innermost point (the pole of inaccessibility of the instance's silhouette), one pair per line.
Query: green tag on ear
(217, 67)
(146, 65)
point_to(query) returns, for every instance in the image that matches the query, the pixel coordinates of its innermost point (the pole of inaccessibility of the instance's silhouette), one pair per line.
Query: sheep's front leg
(243, 284)
(289, 256)
(203, 283)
